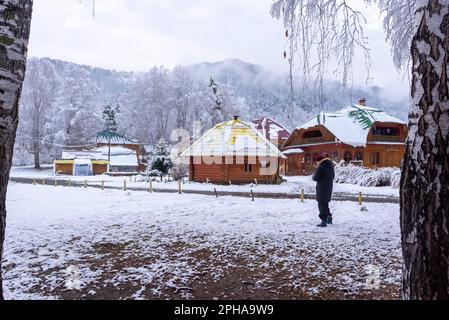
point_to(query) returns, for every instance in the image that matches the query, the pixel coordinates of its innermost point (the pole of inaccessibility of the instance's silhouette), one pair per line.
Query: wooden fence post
(34, 182)
(70, 183)
(43, 182)
(102, 184)
(150, 186)
(56, 183)
(124, 185)
(302, 194)
(360, 198)
(85, 183)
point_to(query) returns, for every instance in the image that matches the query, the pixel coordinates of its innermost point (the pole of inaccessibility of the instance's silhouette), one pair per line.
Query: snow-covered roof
(107, 136)
(85, 154)
(271, 129)
(115, 151)
(233, 138)
(352, 124)
(119, 156)
(293, 151)
(83, 162)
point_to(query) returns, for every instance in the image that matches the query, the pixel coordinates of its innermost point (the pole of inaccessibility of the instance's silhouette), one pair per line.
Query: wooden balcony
(379, 138)
(312, 140)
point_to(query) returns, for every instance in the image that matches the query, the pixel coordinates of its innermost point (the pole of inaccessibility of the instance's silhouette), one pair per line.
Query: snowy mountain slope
(156, 102)
(270, 91)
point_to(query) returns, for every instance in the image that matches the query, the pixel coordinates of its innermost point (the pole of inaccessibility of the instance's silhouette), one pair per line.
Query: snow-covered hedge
(367, 177)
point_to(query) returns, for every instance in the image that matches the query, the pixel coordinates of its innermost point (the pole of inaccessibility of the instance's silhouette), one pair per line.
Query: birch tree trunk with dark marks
(425, 178)
(15, 20)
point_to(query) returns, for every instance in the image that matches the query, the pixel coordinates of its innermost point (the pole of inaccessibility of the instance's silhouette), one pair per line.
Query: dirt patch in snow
(219, 273)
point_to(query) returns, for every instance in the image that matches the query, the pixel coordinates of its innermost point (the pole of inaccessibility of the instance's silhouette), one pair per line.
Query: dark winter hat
(319, 158)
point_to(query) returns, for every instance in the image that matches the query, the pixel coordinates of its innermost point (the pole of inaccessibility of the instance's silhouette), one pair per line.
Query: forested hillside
(62, 102)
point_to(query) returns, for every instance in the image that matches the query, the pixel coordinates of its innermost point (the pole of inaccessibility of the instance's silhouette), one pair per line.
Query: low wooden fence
(302, 196)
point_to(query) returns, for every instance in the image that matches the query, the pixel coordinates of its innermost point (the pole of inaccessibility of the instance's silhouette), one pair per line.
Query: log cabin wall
(313, 135)
(65, 169)
(379, 156)
(99, 169)
(385, 148)
(314, 141)
(336, 151)
(295, 165)
(385, 145)
(225, 173)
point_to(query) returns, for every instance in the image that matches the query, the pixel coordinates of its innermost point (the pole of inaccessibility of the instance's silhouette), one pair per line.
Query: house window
(312, 134)
(359, 156)
(248, 167)
(375, 158)
(347, 156)
(386, 131)
(308, 158)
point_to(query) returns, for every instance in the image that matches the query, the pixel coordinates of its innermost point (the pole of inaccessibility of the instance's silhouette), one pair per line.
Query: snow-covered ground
(293, 185)
(93, 244)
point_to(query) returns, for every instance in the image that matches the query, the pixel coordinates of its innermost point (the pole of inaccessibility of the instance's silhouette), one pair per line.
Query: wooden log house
(233, 152)
(125, 156)
(358, 134)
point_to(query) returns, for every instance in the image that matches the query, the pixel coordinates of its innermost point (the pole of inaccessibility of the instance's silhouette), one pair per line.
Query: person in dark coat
(324, 177)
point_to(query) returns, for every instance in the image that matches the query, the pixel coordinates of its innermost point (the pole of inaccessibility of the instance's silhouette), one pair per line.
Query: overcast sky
(135, 35)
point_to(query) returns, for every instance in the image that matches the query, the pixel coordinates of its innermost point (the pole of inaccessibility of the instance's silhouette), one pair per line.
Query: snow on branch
(329, 28)
(333, 29)
(399, 26)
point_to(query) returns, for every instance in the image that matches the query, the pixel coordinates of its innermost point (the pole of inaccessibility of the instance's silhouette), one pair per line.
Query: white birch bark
(425, 178)
(15, 19)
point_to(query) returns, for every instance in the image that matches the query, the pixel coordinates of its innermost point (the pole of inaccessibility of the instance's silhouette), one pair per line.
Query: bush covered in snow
(160, 162)
(381, 177)
(179, 171)
(154, 173)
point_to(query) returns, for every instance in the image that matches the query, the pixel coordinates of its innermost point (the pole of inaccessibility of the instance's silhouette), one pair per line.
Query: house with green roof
(108, 138)
(357, 134)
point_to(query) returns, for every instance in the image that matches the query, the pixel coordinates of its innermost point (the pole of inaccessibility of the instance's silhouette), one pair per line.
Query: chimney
(362, 102)
(236, 118)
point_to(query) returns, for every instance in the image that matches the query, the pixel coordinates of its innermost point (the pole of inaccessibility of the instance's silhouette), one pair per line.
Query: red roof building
(272, 130)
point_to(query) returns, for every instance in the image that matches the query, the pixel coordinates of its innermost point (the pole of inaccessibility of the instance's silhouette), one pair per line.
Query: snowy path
(292, 186)
(212, 191)
(133, 245)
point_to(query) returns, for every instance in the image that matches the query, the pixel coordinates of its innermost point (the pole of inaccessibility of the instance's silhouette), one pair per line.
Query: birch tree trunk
(425, 178)
(15, 20)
